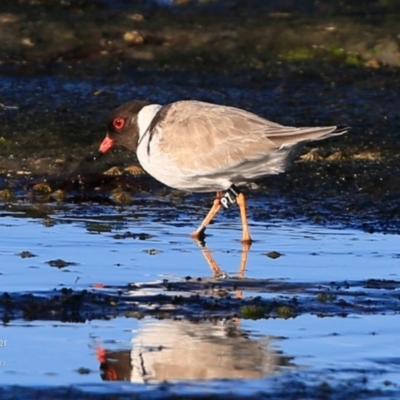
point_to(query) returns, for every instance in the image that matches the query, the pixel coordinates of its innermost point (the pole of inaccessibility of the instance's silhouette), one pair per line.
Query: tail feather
(291, 136)
(340, 130)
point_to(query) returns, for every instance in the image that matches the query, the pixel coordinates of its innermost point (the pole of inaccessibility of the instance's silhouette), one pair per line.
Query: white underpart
(144, 118)
(155, 162)
(159, 164)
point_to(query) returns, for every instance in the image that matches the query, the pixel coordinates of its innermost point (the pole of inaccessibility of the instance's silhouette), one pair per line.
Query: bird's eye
(119, 123)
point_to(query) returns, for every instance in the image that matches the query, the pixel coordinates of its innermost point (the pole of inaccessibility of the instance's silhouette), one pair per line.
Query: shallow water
(263, 353)
(100, 249)
(94, 244)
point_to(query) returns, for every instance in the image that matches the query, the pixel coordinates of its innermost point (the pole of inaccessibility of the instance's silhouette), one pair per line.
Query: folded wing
(213, 138)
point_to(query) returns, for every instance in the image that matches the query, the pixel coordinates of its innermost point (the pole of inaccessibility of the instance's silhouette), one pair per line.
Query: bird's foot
(199, 235)
(246, 242)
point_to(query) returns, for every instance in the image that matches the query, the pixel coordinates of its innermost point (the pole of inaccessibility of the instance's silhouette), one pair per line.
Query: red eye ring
(118, 123)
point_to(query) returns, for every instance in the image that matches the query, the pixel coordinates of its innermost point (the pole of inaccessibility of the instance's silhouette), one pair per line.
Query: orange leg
(243, 259)
(210, 260)
(211, 214)
(215, 267)
(246, 238)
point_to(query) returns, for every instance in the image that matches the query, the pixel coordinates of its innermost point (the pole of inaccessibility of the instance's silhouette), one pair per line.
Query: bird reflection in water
(164, 350)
